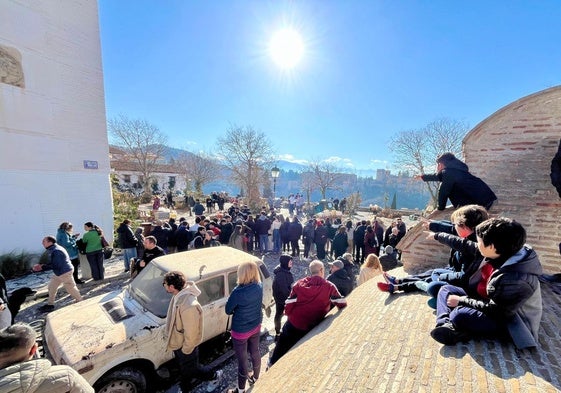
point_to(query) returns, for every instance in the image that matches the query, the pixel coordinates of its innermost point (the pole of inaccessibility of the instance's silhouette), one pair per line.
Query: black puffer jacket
(342, 281)
(514, 297)
(460, 186)
(294, 231)
(282, 283)
(126, 237)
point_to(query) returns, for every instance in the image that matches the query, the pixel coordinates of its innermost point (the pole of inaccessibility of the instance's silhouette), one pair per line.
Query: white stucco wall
(53, 124)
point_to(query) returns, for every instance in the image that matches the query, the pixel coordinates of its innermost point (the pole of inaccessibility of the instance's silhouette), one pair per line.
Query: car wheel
(124, 380)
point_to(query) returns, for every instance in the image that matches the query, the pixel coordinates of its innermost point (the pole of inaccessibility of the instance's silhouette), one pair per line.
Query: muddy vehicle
(116, 340)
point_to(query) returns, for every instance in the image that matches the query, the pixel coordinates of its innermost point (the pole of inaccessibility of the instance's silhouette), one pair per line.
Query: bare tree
(247, 153)
(143, 143)
(198, 169)
(322, 175)
(416, 150)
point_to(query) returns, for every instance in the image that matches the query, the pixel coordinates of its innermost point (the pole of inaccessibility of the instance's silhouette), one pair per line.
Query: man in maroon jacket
(309, 301)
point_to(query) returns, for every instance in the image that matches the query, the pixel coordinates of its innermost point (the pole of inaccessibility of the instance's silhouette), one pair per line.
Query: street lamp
(275, 172)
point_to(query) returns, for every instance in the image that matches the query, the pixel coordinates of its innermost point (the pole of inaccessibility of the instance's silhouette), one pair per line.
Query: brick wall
(511, 151)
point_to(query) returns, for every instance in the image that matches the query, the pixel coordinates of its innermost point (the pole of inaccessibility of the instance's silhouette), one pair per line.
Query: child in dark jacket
(282, 284)
(509, 299)
(464, 262)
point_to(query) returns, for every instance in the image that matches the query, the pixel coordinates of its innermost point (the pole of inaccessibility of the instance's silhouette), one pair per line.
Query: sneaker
(46, 308)
(386, 287)
(390, 279)
(422, 285)
(212, 385)
(448, 335)
(251, 379)
(432, 302)
(236, 390)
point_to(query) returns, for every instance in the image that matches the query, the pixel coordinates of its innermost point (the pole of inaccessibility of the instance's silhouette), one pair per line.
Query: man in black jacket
(151, 251)
(458, 185)
(128, 242)
(359, 241)
(340, 277)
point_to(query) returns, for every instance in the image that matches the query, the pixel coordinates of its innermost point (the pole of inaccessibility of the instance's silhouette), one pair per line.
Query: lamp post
(275, 172)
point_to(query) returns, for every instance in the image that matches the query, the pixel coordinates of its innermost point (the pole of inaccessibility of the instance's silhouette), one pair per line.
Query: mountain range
(409, 193)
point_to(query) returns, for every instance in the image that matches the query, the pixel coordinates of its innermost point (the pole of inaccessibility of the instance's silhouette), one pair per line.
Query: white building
(128, 176)
(54, 161)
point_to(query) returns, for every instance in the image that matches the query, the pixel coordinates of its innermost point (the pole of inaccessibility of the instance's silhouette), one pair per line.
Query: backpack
(191, 245)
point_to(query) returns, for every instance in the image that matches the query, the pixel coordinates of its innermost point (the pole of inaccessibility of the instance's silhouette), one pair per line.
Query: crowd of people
(490, 287)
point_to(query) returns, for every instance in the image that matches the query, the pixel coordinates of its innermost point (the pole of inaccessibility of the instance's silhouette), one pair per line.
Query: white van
(116, 341)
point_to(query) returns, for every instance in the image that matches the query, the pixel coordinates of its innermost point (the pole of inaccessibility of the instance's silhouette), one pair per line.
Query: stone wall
(511, 151)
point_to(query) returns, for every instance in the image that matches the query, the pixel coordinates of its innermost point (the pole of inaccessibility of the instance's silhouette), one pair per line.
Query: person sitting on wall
(458, 185)
(465, 262)
(309, 301)
(510, 301)
(340, 277)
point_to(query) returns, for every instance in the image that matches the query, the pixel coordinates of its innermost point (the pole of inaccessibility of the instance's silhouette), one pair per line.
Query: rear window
(212, 290)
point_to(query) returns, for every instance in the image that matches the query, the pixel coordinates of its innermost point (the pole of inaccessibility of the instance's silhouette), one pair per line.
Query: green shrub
(16, 263)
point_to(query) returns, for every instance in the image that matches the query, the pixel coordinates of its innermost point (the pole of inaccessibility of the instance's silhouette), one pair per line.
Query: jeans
(128, 254)
(279, 311)
(76, 264)
(276, 241)
(95, 259)
(241, 347)
(465, 319)
(264, 243)
(307, 247)
(320, 251)
(360, 250)
(288, 338)
(295, 248)
(190, 367)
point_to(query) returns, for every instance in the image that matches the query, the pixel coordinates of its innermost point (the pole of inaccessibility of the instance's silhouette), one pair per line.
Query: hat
(338, 263)
(284, 259)
(388, 250)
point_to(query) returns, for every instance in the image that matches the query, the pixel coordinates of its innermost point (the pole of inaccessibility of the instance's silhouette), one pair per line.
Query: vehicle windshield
(147, 289)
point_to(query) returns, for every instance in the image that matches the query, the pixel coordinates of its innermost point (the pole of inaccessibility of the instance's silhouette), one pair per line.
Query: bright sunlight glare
(286, 48)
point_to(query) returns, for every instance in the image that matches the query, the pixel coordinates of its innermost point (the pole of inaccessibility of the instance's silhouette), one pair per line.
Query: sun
(286, 48)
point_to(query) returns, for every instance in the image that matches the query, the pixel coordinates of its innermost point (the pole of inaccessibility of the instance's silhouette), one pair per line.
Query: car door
(213, 301)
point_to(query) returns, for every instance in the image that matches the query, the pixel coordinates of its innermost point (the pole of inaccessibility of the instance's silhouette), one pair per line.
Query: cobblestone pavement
(381, 343)
(116, 279)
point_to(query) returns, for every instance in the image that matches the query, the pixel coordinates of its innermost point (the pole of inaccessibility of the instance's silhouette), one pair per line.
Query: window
(232, 278)
(127, 178)
(211, 290)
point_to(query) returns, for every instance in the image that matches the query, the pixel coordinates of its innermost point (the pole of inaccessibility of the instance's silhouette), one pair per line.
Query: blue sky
(369, 69)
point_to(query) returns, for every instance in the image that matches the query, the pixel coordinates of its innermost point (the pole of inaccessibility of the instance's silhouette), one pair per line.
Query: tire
(124, 380)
